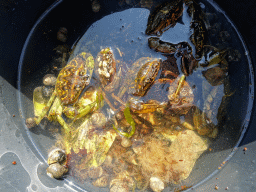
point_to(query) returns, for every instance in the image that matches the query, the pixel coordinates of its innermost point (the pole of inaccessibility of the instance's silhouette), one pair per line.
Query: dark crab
(215, 65)
(199, 35)
(164, 16)
(165, 47)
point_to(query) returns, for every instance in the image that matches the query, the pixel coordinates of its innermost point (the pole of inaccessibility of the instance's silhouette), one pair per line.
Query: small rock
(108, 161)
(98, 119)
(118, 185)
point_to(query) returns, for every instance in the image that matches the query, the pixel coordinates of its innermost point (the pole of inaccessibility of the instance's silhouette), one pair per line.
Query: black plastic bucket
(28, 148)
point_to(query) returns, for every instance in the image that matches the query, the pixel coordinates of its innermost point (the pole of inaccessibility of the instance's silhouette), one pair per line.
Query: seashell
(49, 80)
(30, 122)
(56, 171)
(57, 156)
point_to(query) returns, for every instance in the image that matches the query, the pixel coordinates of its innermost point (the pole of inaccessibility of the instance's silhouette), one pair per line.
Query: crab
(67, 97)
(105, 66)
(164, 16)
(140, 77)
(198, 26)
(135, 85)
(180, 96)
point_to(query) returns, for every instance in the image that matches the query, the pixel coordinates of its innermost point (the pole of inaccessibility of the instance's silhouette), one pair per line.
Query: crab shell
(142, 75)
(164, 16)
(74, 77)
(105, 66)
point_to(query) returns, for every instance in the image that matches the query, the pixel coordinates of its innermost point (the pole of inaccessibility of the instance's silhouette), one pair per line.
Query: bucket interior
(82, 22)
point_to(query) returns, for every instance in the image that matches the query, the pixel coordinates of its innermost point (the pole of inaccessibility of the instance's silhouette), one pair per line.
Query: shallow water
(125, 32)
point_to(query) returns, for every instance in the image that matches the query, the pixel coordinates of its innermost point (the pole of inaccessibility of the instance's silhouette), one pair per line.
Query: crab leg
(167, 72)
(84, 111)
(118, 99)
(164, 80)
(46, 108)
(61, 120)
(130, 120)
(55, 112)
(180, 85)
(215, 58)
(52, 112)
(107, 100)
(174, 96)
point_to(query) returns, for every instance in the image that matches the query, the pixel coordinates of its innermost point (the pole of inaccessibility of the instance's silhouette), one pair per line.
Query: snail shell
(98, 119)
(30, 122)
(49, 80)
(56, 171)
(57, 156)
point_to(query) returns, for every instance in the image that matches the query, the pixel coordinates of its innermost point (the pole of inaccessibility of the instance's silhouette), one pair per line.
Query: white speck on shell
(100, 63)
(105, 64)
